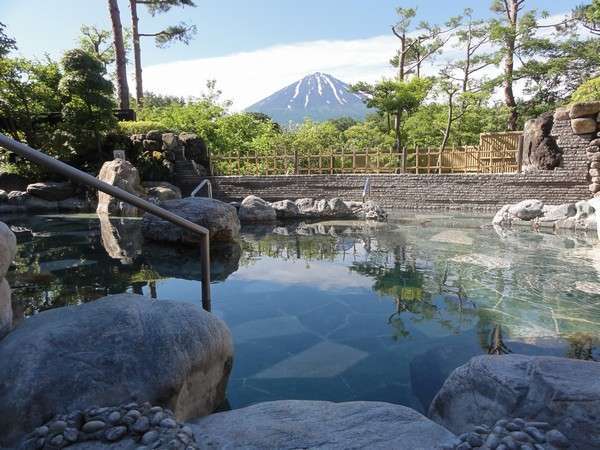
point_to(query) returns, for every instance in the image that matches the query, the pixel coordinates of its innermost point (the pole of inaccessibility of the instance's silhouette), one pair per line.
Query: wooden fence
(496, 153)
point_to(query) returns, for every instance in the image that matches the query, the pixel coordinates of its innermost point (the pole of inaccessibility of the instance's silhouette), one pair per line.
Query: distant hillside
(318, 96)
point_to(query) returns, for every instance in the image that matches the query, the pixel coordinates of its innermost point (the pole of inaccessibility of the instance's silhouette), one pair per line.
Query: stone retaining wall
(452, 191)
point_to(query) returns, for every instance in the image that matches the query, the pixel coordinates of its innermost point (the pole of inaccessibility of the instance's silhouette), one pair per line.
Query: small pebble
(143, 447)
(520, 436)
(156, 418)
(499, 430)
(527, 446)
(57, 441)
(475, 440)
(510, 443)
(130, 405)
(92, 426)
(40, 443)
(168, 423)
(115, 433)
(114, 417)
(41, 431)
(492, 441)
(511, 426)
(141, 425)
(501, 423)
(133, 413)
(187, 430)
(545, 426)
(463, 446)
(58, 426)
(519, 422)
(149, 437)
(482, 429)
(463, 437)
(156, 409)
(556, 438)
(156, 444)
(536, 434)
(71, 434)
(168, 412)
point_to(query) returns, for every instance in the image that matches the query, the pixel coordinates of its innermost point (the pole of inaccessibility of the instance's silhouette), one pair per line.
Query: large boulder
(159, 191)
(306, 206)
(527, 209)
(339, 209)
(219, 218)
(584, 109)
(286, 209)
(584, 126)
(256, 210)
(8, 250)
(194, 148)
(540, 150)
(562, 392)
(294, 424)
(122, 348)
(51, 191)
(124, 175)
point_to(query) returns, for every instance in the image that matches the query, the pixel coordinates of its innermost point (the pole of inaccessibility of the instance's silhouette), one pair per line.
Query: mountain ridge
(317, 96)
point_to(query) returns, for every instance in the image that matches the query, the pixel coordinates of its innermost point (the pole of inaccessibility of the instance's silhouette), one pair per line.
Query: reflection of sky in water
(340, 313)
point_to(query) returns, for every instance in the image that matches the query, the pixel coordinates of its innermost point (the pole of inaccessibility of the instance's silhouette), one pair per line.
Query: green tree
(87, 110)
(395, 98)
(7, 44)
(588, 91)
(180, 32)
(28, 89)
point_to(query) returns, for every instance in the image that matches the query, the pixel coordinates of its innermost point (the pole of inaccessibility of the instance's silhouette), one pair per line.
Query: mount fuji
(318, 96)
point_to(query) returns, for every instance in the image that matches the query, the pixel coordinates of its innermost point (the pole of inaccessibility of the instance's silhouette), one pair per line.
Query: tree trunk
(121, 61)
(402, 57)
(137, 54)
(448, 123)
(509, 96)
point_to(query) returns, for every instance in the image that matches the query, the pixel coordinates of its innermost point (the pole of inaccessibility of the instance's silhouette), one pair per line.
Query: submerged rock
(562, 392)
(293, 424)
(120, 348)
(256, 210)
(219, 218)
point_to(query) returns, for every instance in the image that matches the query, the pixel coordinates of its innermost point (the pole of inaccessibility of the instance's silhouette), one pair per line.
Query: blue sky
(235, 34)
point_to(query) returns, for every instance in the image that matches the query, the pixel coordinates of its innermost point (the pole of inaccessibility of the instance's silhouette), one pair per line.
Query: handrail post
(205, 267)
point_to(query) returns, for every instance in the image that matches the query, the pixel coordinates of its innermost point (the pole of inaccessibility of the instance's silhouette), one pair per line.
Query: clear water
(339, 312)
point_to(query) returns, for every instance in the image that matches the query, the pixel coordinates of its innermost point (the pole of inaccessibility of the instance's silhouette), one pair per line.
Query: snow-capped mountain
(318, 96)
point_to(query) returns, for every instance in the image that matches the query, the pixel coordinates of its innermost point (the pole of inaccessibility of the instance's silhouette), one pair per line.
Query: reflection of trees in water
(582, 346)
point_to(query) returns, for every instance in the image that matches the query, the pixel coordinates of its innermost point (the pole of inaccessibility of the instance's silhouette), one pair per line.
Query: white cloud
(248, 77)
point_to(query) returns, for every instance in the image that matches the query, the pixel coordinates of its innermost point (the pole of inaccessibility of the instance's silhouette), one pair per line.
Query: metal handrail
(86, 179)
(200, 186)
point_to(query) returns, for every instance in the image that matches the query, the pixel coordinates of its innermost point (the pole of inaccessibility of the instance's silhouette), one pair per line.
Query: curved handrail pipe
(206, 183)
(86, 179)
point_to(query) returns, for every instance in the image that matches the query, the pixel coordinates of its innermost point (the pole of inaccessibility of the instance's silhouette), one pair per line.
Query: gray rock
(553, 213)
(256, 210)
(293, 424)
(154, 135)
(339, 209)
(583, 126)
(110, 350)
(75, 204)
(286, 209)
(195, 148)
(51, 191)
(115, 433)
(527, 209)
(3, 196)
(306, 206)
(122, 174)
(563, 392)
(557, 439)
(160, 191)
(92, 426)
(584, 109)
(220, 218)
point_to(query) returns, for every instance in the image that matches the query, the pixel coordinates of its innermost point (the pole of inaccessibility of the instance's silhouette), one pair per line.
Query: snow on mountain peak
(318, 96)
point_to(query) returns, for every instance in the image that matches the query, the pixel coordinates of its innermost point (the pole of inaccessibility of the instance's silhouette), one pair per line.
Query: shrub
(140, 127)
